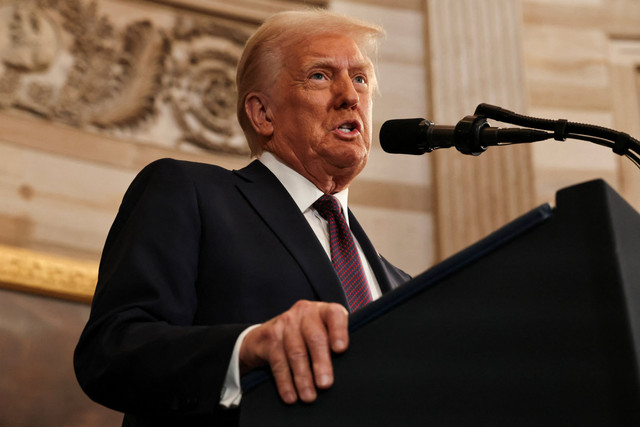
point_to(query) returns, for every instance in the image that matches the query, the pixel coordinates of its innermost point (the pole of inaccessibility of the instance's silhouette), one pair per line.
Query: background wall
(581, 63)
(91, 92)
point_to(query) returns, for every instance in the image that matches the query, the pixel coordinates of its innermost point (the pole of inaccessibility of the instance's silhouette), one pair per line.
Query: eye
(316, 76)
(360, 79)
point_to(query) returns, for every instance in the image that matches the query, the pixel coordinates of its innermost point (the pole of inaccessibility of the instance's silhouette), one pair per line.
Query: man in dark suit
(208, 274)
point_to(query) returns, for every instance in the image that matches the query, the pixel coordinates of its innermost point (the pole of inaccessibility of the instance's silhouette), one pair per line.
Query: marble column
(474, 56)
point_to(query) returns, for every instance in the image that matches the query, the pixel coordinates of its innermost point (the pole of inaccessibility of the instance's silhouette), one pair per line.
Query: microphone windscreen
(402, 136)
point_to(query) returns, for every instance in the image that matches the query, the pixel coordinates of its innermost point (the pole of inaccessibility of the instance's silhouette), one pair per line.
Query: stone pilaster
(475, 56)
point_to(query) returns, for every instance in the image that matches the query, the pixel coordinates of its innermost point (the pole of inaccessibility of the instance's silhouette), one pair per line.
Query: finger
(282, 376)
(316, 338)
(336, 317)
(298, 359)
(263, 345)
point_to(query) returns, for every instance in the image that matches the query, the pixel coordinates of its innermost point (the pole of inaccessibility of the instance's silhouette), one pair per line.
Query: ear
(257, 108)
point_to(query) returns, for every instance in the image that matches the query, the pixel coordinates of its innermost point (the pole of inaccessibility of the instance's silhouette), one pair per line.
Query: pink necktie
(344, 253)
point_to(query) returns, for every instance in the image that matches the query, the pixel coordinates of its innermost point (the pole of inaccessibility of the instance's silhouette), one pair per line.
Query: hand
(297, 346)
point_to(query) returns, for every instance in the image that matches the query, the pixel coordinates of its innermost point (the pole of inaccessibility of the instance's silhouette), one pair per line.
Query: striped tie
(344, 253)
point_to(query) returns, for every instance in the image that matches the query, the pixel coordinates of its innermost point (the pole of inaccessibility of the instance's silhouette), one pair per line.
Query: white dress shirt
(304, 194)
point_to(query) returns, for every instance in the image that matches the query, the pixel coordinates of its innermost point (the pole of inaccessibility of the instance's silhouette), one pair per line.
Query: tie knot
(327, 206)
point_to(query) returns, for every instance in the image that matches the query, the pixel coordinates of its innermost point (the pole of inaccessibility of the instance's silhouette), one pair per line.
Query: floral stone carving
(167, 78)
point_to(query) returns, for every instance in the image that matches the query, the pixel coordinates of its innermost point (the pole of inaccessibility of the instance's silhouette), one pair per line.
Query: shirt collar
(303, 191)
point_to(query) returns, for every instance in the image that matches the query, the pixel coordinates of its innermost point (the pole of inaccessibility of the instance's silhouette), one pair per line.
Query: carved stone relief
(166, 77)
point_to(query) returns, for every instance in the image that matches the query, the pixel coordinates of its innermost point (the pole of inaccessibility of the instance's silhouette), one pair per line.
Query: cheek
(367, 109)
(305, 112)
(368, 123)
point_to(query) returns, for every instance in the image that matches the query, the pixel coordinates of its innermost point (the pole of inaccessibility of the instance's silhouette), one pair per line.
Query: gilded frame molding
(50, 275)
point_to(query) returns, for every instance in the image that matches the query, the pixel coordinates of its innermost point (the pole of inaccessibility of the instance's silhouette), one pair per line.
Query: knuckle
(271, 333)
(297, 354)
(338, 309)
(278, 365)
(286, 321)
(303, 306)
(317, 339)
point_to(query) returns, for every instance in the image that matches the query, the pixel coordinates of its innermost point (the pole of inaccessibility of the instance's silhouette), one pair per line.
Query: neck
(327, 178)
(329, 184)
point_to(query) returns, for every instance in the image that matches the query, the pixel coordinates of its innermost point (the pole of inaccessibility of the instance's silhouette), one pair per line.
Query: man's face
(320, 108)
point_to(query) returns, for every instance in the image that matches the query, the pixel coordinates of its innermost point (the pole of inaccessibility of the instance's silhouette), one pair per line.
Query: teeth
(348, 128)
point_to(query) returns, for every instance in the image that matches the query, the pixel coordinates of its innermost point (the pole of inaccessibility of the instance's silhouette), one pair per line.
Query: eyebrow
(329, 62)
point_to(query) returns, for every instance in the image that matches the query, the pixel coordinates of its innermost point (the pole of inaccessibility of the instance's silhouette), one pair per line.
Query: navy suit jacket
(195, 255)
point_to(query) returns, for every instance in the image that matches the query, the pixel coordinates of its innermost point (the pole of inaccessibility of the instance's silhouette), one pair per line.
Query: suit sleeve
(140, 352)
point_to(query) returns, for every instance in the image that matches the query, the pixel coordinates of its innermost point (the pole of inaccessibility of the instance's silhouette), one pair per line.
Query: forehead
(325, 49)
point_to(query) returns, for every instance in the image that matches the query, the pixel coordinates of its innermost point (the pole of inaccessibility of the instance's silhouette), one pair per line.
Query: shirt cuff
(231, 390)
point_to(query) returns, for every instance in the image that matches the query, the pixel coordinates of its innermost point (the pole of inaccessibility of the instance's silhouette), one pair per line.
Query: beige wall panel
(574, 154)
(567, 67)
(625, 71)
(17, 129)
(561, 164)
(570, 96)
(558, 54)
(614, 16)
(578, 68)
(54, 207)
(397, 169)
(401, 237)
(566, 13)
(401, 85)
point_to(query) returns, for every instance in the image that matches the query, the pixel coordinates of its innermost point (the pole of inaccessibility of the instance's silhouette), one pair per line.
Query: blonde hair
(261, 63)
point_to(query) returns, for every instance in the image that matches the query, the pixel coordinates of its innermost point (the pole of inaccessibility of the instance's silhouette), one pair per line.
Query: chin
(351, 160)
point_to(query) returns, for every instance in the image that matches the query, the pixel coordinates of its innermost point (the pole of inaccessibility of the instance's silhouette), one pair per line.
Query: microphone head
(403, 136)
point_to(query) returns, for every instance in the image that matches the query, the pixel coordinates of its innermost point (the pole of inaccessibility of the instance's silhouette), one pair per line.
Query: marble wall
(581, 64)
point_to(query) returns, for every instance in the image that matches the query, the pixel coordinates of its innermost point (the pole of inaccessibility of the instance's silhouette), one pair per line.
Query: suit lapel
(275, 206)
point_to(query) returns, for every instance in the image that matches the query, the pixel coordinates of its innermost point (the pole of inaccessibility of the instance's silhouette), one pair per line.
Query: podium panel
(538, 324)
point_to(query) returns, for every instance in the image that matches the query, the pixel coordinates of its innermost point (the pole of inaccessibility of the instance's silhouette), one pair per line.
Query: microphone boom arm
(621, 143)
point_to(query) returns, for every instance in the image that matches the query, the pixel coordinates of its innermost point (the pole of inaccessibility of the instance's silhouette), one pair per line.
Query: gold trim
(34, 272)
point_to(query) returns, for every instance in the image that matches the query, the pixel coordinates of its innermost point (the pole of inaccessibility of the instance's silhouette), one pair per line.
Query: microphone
(472, 135)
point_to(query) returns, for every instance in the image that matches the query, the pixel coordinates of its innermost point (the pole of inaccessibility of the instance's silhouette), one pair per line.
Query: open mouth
(348, 127)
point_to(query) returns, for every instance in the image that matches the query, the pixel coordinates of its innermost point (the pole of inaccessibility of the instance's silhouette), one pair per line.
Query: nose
(346, 95)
